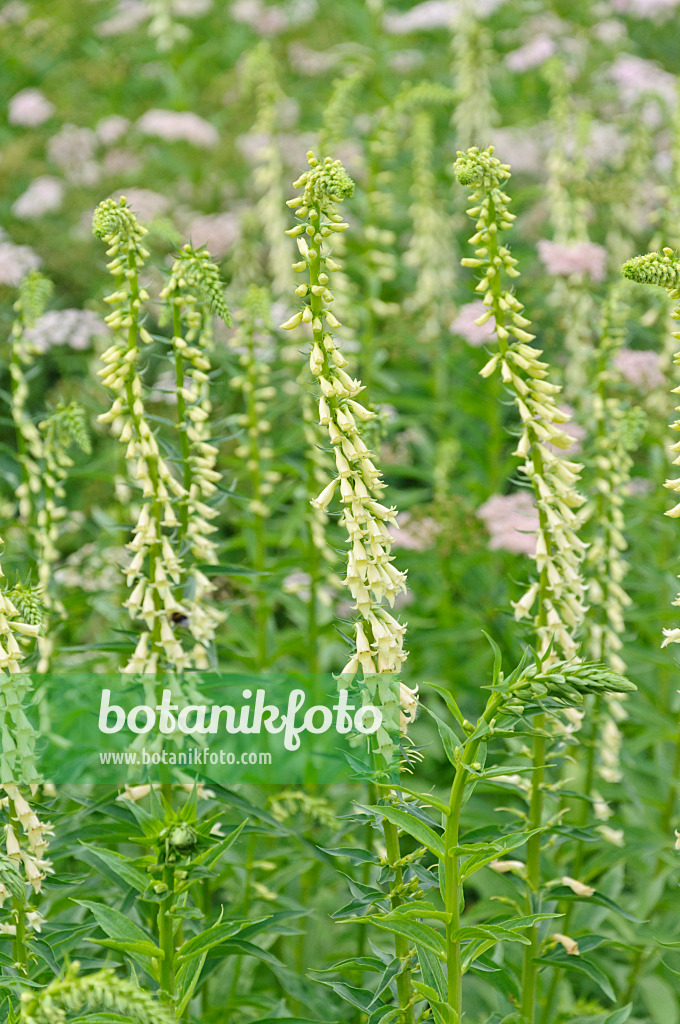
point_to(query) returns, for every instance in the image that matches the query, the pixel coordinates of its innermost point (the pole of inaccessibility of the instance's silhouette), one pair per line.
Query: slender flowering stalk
(194, 292)
(155, 565)
(558, 593)
(615, 433)
(379, 259)
(663, 269)
(616, 430)
(571, 297)
(34, 294)
(65, 427)
(475, 113)
(337, 117)
(430, 252)
(259, 78)
(371, 577)
(25, 834)
(339, 109)
(255, 452)
(320, 555)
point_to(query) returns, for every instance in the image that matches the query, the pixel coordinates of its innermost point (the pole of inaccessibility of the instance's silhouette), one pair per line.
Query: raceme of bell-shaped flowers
(17, 757)
(155, 567)
(616, 430)
(371, 577)
(194, 292)
(663, 269)
(558, 593)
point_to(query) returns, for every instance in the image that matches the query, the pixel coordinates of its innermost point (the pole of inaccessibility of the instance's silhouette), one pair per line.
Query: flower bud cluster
(371, 577)
(559, 590)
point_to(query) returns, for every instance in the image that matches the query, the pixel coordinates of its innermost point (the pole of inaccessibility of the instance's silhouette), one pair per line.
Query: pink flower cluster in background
(511, 521)
(464, 324)
(564, 259)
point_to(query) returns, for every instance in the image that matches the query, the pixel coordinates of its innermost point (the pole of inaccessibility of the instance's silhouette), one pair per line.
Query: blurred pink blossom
(311, 62)
(15, 262)
(266, 21)
(128, 15)
(414, 534)
(641, 367)
(426, 15)
(179, 126)
(433, 14)
(646, 8)
(269, 20)
(523, 148)
(146, 203)
(14, 12)
(534, 53)
(512, 522)
(44, 195)
(565, 259)
(72, 327)
(111, 129)
(405, 61)
(464, 324)
(637, 77)
(191, 8)
(29, 108)
(120, 161)
(72, 149)
(217, 231)
(610, 31)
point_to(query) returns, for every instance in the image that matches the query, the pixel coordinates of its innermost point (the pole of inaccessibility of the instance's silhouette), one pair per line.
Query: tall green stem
(401, 945)
(166, 936)
(453, 888)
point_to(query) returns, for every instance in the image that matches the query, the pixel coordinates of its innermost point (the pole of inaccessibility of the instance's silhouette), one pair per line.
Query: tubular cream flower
(579, 888)
(559, 590)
